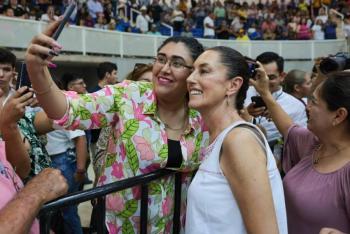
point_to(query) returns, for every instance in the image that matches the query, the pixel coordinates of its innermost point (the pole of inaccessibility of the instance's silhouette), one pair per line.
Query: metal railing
(100, 192)
(17, 33)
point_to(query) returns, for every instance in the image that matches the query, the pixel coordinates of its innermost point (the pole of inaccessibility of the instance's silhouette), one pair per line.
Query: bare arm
(82, 156)
(42, 123)
(51, 99)
(281, 119)
(16, 152)
(244, 165)
(18, 215)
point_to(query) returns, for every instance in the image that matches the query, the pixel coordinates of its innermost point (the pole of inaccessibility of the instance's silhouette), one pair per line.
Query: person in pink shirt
(19, 205)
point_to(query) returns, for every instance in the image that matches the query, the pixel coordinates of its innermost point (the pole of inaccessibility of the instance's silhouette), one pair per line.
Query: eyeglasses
(78, 83)
(175, 63)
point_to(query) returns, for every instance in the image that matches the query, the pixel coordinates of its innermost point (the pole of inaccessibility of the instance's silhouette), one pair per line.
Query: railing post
(101, 215)
(177, 203)
(45, 222)
(144, 209)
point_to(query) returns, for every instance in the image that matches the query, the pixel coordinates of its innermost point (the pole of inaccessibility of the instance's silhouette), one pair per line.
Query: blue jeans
(67, 163)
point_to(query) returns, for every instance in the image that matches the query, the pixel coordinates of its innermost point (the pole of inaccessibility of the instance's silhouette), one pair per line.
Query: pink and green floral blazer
(137, 145)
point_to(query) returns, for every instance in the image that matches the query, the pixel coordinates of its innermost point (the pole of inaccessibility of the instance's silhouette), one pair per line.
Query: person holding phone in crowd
(20, 116)
(237, 188)
(316, 159)
(152, 127)
(19, 205)
(274, 66)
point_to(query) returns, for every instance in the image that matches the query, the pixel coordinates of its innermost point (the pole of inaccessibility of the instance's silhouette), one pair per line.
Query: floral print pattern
(39, 157)
(137, 144)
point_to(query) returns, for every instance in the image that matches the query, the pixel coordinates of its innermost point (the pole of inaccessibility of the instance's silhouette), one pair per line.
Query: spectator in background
(219, 12)
(242, 35)
(347, 25)
(141, 72)
(73, 82)
(101, 22)
(298, 84)
(209, 26)
(254, 33)
(154, 30)
(322, 15)
(177, 19)
(303, 6)
(273, 64)
(9, 12)
(68, 152)
(317, 30)
(223, 32)
(330, 30)
(269, 34)
(303, 30)
(182, 6)
(108, 12)
(156, 10)
(268, 24)
(49, 16)
(17, 9)
(143, 20)
(238, 23)
(112, 25)
(95, 8)
(187, 31)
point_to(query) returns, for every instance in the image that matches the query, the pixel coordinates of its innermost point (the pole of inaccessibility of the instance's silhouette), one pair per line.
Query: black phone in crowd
(252, 66)
(23, 78)
(259, 102)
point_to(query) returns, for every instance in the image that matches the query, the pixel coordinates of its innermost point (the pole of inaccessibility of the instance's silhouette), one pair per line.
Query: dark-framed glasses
(174, 63)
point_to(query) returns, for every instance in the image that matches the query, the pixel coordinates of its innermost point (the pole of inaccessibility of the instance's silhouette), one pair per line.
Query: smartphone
(23, 78)
(252, 66)
(259, 102)
(66, 17)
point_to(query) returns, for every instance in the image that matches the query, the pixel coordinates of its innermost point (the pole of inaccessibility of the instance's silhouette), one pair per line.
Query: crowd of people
(271, 20)
(276, 161)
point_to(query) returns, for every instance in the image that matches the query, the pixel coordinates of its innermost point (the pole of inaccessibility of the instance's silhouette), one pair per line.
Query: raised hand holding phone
(38, 58)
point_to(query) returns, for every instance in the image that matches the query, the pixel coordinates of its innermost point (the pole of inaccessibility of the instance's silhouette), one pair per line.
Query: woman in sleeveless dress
(237, 188)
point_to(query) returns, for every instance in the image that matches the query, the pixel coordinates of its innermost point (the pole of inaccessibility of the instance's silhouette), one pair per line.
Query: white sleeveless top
(211, 206)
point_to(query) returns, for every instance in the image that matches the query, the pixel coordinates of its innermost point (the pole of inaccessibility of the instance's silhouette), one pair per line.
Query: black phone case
(259, 102)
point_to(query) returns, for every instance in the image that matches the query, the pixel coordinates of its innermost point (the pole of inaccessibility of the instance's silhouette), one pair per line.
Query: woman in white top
(237, 188)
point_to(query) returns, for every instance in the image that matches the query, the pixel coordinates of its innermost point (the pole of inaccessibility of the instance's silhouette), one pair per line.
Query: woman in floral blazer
(152, 127)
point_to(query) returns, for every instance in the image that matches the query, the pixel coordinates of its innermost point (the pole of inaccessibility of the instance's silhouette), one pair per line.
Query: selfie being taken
(191, 117)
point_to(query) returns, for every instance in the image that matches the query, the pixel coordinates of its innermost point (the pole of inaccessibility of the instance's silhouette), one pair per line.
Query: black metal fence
(99, 193)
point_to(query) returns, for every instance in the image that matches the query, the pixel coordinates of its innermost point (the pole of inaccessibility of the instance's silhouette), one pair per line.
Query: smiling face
(275, 77)
(208, 84)
(170, 80)
(320, 117)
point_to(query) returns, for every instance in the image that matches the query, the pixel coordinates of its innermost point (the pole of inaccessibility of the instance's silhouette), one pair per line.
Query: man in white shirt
(273, 65)
(68, 152)
(143, 20)
(209, 26)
